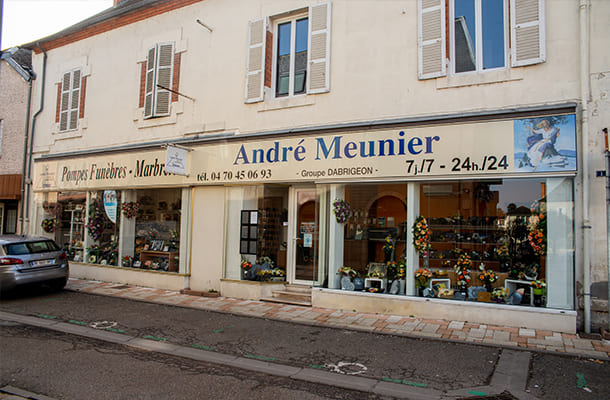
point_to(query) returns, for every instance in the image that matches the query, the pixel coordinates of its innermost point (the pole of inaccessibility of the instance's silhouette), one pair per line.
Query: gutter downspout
(25, 153)
(29, 152)
(584, 98)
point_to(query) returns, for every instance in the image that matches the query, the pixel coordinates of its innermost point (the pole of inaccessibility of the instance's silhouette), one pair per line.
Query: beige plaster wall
(13, 105)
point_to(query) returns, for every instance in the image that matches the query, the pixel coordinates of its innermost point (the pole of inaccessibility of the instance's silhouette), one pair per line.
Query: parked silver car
(26, 260)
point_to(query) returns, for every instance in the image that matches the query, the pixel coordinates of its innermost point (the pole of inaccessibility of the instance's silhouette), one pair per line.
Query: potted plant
(422, 278)
(487, 276)
(538, 287)
(245, 266)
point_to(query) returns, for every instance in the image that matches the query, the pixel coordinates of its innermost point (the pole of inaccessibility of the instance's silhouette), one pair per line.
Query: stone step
(298, 288)
(287, 301)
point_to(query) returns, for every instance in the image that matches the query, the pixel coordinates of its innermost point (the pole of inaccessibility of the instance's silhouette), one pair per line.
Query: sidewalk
(457, 331)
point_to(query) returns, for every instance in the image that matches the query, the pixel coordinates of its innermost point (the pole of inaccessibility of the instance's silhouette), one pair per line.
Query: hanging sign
(175, 160)
(110, 204)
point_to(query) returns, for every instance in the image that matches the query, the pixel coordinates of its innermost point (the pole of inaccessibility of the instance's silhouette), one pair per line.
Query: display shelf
(161, 258)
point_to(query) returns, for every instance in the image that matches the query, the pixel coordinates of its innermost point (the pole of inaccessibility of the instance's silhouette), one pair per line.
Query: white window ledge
(473, 79)
(287, 102)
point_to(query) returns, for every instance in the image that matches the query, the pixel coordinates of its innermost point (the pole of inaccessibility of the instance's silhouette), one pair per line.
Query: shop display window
(154, 224)
(375, 230)
(257, 232)
(129, 228)
(70, 209)
(507, 241)
(102, 227)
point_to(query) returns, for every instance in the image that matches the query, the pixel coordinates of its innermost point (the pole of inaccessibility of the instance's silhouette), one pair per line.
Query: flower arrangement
(278, 272)
(373, 290)
(51, 208)
(375, 274)
(127, 260)
(49, 225)
(499, 295)
(173, 235)
(421, 234)
(147, 264)
(265, 260)
(388, 244)
(487, 275)
(245, 264)
(95, 226)
(342, 210)
(461, 269)
(422, 277)
(538, 284)
(264, 274)
(130, 209)
(347, 271)
(537, 229)
(401, 272)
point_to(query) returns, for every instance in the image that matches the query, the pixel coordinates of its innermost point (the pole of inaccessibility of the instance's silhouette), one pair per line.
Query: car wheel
(58, 284)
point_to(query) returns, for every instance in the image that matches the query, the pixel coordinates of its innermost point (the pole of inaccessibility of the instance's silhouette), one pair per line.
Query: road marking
(476, 393)
(103, 324)
(159, 339)
(46, 316)
(198, 346)
(77, 322)
(341, 365)
(222, 329)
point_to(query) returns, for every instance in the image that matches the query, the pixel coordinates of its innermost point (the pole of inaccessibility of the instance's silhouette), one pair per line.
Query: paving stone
(527, 332)
(456, 325)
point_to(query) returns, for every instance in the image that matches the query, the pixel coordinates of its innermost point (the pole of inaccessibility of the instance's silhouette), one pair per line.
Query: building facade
(15, 89)
(436, 158)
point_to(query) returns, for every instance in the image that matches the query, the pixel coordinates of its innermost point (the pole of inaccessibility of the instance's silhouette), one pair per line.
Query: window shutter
(74, 99)
(319, 48)
(64, 115)
(70, 100)
(165, 66)
(527, 32)
(431, 38)
(150, 82)
(255, 70)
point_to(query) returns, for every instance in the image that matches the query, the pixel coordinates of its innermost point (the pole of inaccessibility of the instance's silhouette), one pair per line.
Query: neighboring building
(282, 114)
(15, 78)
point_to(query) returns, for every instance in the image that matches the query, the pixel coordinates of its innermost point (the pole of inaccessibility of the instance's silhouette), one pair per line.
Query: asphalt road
(438, 365)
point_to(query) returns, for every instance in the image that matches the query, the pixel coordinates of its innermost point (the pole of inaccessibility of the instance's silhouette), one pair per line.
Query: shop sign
(110, 204)
(523, 146)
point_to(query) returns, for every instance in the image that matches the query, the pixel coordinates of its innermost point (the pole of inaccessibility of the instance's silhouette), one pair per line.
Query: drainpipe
(584, 98)
(31, 148)
(25, 153)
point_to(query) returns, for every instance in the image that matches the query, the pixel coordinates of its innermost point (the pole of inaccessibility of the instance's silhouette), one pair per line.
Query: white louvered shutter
(431, 38)
(319, 48)
(165, 69)
(255, 69)
(149, 91)
(527, 32)
(70, 100)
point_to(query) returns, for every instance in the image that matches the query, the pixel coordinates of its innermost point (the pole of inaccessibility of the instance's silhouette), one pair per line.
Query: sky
(24, 21)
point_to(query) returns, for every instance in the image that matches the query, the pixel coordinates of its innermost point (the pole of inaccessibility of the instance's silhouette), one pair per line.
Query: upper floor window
(478, 37)
(70, 100)
(158, 80)
(289, 55)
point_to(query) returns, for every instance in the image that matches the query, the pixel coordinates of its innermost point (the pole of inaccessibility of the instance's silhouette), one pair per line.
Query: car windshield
(41, 246)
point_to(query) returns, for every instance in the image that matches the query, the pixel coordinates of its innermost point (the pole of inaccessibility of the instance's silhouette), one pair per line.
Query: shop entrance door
(303, 246)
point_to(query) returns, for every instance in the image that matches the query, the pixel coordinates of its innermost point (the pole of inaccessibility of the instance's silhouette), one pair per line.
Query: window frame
(478, 39)
(71, 123)
(155, 91)
(293, 19)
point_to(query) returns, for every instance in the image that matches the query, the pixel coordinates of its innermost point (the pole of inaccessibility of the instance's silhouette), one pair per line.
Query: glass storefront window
(129, 228)
(504, 241)
(102, 227)
(375, 236)
(508, 241)
(257, 233)
(152, 239)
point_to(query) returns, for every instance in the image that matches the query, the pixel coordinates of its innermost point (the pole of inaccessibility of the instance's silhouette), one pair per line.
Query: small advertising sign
(110, 204)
